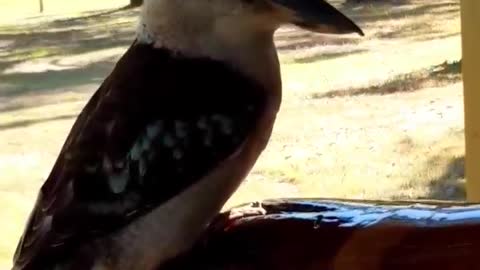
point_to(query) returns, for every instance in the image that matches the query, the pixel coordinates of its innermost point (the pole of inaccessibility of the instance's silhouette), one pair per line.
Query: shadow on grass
(72, 36)
(451, 184)
(19, 90)
(420, 20)
(296, 38)
(95, 14)
(436, 76)
(66, 37)
(317, 56)
(29, 122)
(376, 2)
(16, 84)
(378, 11)
(31, 55)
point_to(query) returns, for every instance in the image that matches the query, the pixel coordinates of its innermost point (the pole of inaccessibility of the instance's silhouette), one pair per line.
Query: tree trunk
(136, 3)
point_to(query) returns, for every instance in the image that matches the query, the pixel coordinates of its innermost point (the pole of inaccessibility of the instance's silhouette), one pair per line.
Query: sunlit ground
(379, 117)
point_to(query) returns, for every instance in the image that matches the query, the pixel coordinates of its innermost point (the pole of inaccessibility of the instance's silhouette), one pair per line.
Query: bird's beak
(317, 16)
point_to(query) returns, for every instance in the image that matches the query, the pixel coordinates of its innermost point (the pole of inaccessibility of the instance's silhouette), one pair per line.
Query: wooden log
(301, 234)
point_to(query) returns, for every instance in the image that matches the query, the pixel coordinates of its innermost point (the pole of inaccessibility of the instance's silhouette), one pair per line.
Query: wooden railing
(301, 234)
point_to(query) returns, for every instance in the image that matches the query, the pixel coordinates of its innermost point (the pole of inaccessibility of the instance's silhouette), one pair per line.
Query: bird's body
(131, 138)
(163, 143)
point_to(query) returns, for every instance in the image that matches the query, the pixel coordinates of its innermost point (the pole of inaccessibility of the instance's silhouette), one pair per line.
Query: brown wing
(157, 124)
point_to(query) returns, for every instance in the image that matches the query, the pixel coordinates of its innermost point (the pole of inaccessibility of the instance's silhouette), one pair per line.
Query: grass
(437, 76)
(29, 9)
(379, 117)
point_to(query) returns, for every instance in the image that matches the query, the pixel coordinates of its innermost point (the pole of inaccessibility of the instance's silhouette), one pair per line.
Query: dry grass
(379, 117)
(437, 76)
(28, 10)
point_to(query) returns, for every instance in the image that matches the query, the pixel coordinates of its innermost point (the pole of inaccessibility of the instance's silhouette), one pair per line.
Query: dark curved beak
(318, 16)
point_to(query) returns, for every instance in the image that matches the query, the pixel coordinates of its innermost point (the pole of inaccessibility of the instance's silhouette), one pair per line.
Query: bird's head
(227, 29)
(237, 19)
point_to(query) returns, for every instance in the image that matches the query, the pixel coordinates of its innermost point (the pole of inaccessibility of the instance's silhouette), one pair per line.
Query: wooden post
(470, 16)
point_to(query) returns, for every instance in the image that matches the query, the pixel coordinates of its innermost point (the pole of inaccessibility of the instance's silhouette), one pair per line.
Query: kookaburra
(168, 136)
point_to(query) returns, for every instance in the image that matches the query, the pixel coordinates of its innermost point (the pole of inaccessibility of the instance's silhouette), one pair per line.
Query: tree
(136, 3)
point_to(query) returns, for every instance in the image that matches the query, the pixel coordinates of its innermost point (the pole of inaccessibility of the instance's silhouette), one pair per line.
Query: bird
(168, 136)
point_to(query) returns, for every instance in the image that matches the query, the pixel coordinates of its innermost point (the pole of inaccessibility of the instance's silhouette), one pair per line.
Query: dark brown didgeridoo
(324, 234)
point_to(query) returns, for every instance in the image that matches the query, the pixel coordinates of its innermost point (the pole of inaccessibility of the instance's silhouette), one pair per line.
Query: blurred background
(374, 117)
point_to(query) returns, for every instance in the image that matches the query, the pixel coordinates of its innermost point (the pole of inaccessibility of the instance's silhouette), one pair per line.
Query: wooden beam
(327, 234)
(470, 16)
